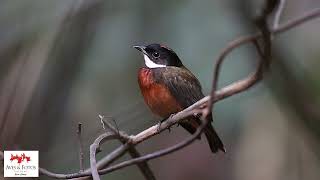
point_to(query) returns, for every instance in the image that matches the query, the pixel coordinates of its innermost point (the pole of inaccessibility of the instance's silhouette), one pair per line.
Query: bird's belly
(157, 96)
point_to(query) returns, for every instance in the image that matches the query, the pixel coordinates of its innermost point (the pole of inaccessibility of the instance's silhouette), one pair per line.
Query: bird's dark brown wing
(186, 88)
(182, 84)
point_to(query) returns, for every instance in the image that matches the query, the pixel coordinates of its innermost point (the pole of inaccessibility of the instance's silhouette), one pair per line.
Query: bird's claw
(159, 127)
(171, 116)
(159, 124)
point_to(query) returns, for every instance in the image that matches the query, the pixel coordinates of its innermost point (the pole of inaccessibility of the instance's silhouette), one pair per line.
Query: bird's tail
(213, 139)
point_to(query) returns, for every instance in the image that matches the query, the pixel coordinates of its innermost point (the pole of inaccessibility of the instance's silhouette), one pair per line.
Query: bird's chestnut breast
(156, 96)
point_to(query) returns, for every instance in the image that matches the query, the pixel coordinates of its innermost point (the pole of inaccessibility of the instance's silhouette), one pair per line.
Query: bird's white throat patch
(150, 64)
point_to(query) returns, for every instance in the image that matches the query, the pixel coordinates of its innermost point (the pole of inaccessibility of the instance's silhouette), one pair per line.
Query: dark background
(66, 61)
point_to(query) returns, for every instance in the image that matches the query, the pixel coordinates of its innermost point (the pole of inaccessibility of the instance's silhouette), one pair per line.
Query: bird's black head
(157, 55)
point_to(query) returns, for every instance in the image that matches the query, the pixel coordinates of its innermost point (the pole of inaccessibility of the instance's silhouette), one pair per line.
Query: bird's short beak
(140, 48)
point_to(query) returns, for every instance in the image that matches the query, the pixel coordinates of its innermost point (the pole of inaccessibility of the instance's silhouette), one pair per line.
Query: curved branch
(93, 150)
(278, 13)
(248, 82)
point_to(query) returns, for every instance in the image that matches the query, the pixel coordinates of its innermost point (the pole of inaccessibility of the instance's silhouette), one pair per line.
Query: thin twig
(278, 14)
(79, 129)
(101, 117)
(306, 17)
(106, 125)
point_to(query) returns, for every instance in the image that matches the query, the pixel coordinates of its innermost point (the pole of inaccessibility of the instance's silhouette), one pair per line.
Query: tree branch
(93, 150)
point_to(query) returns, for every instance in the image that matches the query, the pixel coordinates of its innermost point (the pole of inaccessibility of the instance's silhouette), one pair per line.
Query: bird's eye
(155, 54)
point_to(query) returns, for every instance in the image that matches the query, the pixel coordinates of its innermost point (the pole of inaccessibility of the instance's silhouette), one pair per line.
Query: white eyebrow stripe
(151, 64)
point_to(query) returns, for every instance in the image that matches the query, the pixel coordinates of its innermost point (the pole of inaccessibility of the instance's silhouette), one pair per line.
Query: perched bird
(169, 87)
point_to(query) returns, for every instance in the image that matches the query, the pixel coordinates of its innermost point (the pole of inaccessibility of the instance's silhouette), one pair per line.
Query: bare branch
(278, 14)
(308, 16)
(106, 125)
(93, 151)
(111, 157)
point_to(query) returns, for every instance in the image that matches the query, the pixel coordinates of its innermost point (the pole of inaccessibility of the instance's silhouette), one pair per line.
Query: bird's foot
(171, 116)
(162, 120)
(159, 127)
(169, 128)
(159, 124)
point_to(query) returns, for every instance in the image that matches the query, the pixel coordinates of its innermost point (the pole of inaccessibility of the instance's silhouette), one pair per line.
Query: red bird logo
(20, 159)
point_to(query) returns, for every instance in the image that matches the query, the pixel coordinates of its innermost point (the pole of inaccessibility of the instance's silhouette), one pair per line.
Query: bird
(168, 87)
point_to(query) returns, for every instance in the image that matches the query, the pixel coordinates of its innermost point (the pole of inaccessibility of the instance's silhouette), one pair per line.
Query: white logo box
(21, 164)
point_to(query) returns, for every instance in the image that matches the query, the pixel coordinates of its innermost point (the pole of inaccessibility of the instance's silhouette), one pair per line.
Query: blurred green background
(66, 61)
